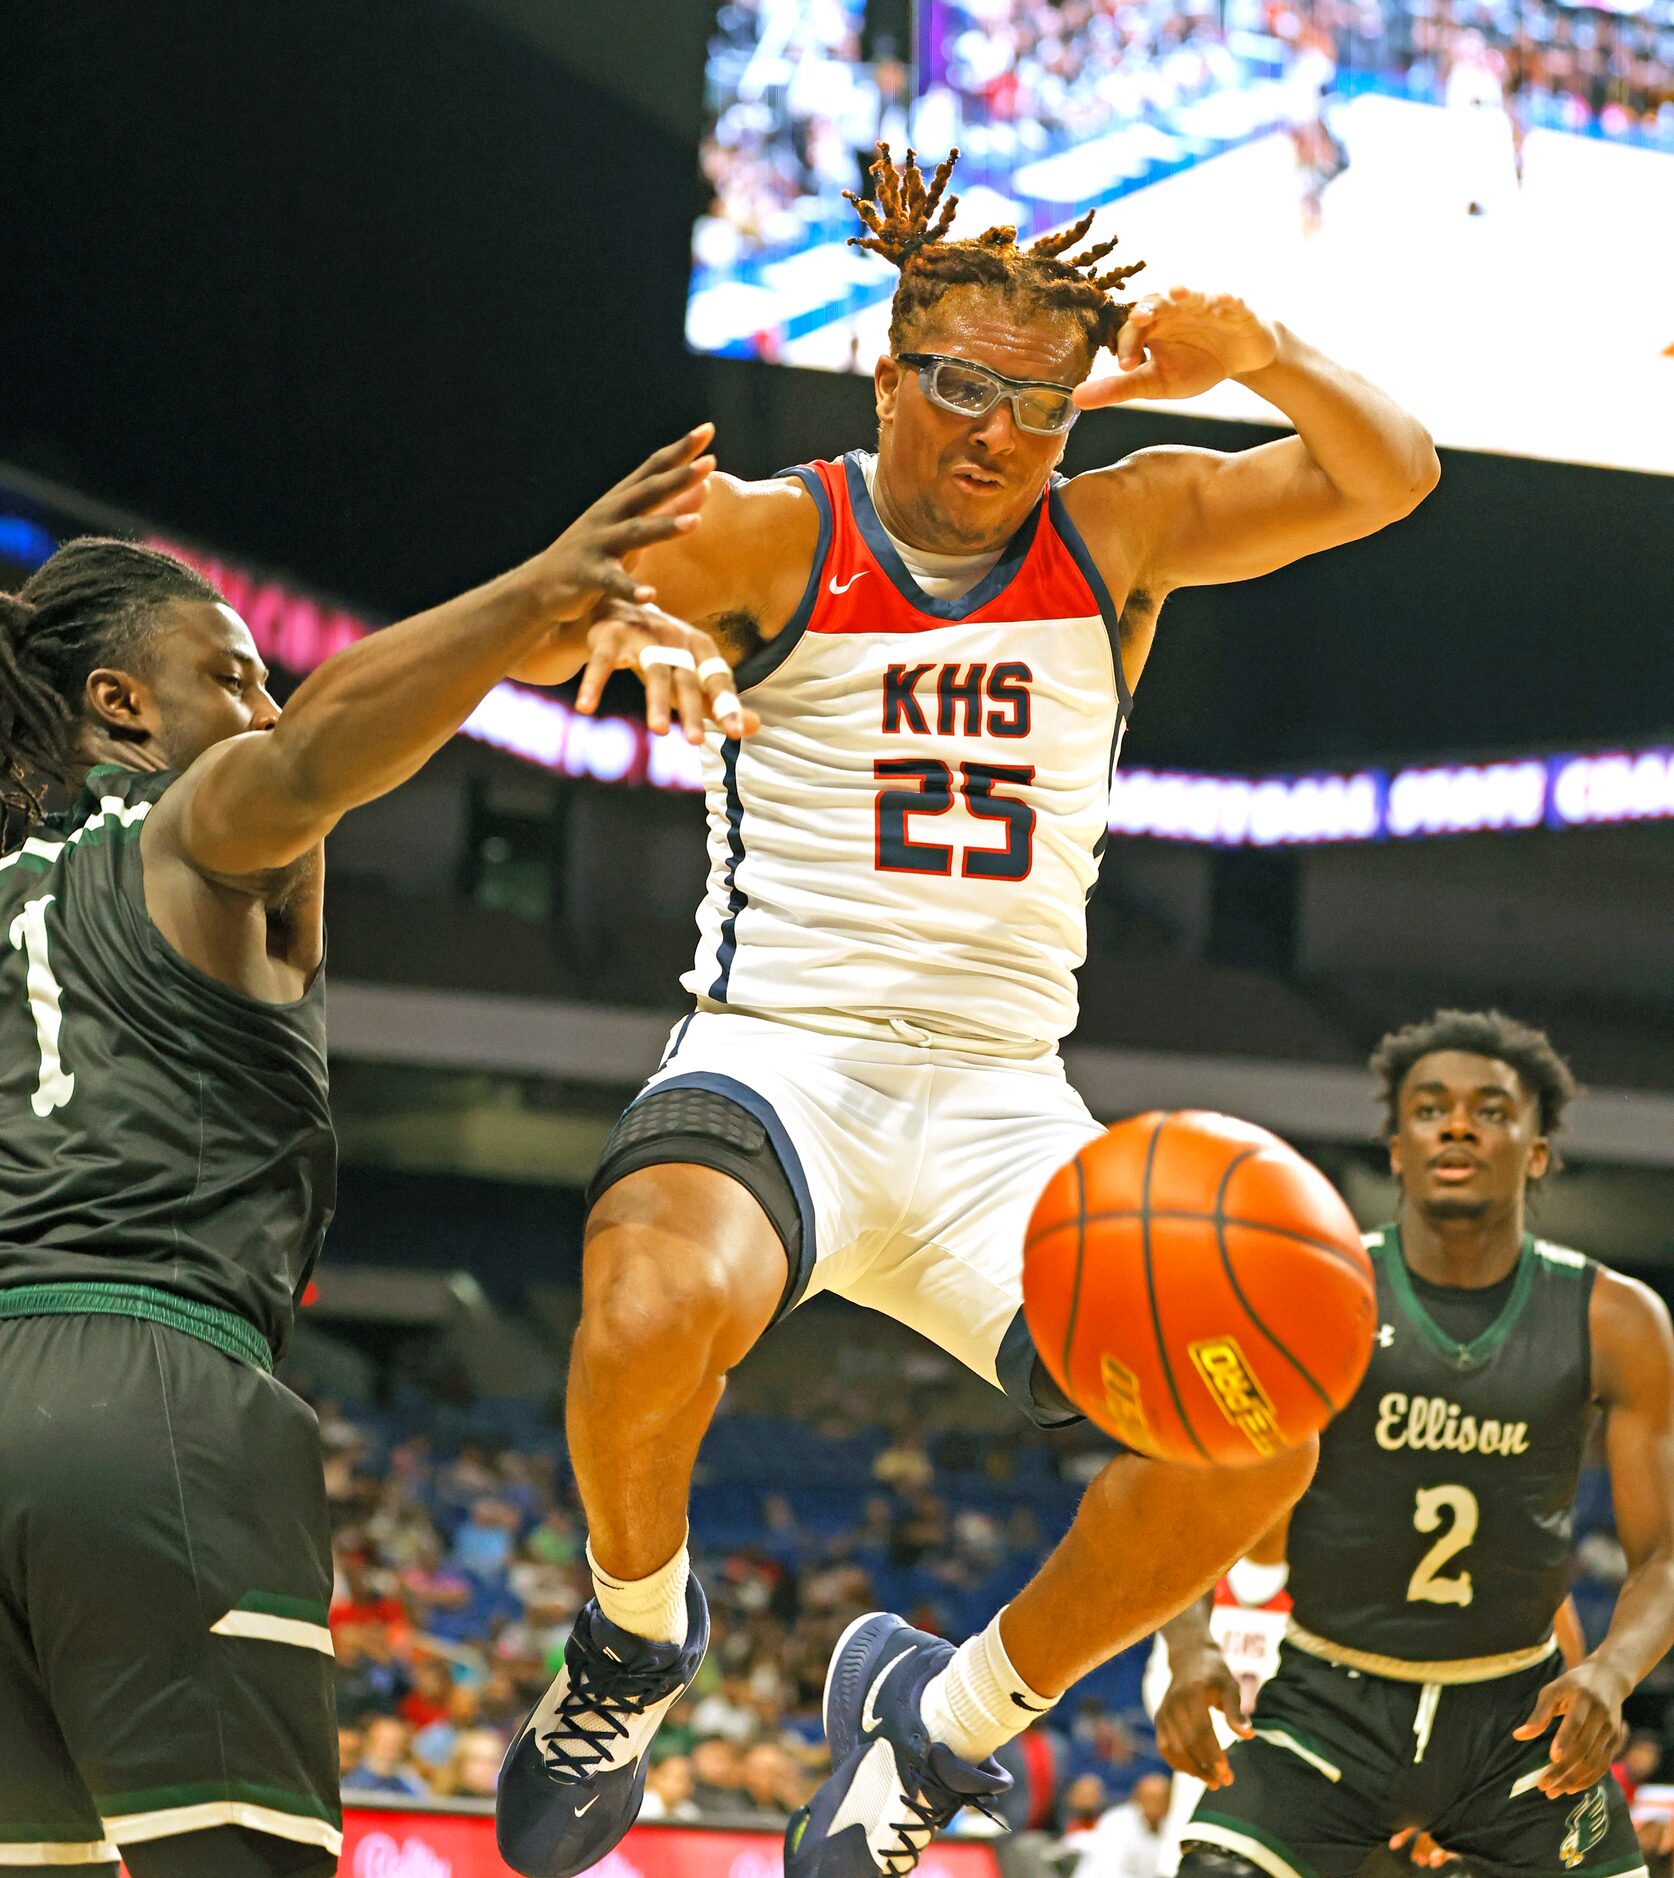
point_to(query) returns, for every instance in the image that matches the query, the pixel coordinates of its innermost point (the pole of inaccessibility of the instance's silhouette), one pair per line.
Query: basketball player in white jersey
(1248, 1611)
(941, 639)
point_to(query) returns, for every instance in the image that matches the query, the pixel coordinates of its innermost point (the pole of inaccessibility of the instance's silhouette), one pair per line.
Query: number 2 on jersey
(933, 795)
(45, 998)
(1426, 1586)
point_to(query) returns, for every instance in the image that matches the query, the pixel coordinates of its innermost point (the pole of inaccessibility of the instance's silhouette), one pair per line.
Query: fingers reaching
(684, 675)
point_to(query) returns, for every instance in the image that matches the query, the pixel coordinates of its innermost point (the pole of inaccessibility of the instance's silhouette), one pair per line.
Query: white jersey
(910, 838)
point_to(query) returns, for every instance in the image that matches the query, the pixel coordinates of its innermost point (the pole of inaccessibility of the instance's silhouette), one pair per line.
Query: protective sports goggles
(971, 390)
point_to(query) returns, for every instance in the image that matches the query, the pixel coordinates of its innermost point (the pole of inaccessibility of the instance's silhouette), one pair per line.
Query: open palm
(1176, 344)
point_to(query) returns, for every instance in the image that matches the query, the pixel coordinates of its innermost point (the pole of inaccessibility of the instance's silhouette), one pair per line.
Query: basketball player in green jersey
(167, 1166)
(1420, 1684)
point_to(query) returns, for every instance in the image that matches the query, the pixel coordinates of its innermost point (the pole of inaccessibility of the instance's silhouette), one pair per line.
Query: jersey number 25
(932, 794)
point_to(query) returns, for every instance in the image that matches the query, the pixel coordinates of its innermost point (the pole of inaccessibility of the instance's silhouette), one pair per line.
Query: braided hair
(908, 225)
(94, 603)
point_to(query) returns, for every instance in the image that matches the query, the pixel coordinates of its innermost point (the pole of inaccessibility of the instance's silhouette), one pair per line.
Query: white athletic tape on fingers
(714, 668)
(675, 657)
(726, 704)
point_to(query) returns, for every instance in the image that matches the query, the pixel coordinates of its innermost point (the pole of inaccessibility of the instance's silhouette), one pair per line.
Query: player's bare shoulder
(1632, 1338)
(742, 574)
(1114, 510)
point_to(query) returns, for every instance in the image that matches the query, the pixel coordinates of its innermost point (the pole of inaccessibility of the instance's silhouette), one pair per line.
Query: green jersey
(157, 1127)
(1438, 1522)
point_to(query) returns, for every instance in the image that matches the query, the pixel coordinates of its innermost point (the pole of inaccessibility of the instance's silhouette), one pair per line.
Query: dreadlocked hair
(908, 225)
(93, 604)
(1540, 1069)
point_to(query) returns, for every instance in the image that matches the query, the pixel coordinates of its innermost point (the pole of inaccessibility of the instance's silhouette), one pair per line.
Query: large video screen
(1471, 201)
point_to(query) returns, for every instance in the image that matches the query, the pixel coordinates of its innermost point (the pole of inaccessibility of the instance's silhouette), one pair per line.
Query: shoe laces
(931, 1810)
(603, 1697)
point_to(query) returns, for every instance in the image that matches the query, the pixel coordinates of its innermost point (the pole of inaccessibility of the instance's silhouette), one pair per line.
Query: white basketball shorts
(915, 1168)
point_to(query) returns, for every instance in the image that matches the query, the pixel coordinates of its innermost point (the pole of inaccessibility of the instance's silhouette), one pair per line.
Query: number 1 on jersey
(1425, 1587)
(45, 998)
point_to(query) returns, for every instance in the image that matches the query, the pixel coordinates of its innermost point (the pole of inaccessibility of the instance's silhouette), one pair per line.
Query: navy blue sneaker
(891, 1788)
(572, 1780)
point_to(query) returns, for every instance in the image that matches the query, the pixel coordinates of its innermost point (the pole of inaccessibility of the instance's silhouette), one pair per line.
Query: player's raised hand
(1186, 1738)
(1176, 344)
(1589, 1698)
(587, 564)
(682, 668)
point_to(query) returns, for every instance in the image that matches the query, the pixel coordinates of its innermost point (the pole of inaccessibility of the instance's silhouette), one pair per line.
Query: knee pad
(704, 1128)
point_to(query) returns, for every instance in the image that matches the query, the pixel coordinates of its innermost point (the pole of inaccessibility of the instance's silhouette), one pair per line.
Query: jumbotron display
(1472, 206)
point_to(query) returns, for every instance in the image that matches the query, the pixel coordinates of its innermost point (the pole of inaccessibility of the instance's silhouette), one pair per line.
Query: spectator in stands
(1127, 1841)
(483, 1545)
(473, 1767)
(919, 1531)
(427, 1700)
(1639, 1763)
(348, 1750)
(384, 1763)
(717, 1775)
(726, 1712)
(768, 1781)
(369, 1680)
(668, 1790)
(905, 1464)
(434, 1743)
(1085, 1804)
(363, 1597)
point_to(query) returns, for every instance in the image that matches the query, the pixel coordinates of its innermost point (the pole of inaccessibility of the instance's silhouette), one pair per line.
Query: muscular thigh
(823, 1132)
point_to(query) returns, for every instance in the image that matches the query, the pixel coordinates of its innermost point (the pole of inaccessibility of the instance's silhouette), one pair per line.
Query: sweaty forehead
(1464, 1071)
(992, 329)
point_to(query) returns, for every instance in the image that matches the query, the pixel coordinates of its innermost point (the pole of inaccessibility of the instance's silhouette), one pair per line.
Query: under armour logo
(847, 584)
(1386, 1336)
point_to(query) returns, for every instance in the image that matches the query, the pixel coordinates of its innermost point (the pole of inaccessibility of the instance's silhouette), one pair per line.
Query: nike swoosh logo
(869, 1717)
(582, 1809)
(1030, 1706)
(847, 584)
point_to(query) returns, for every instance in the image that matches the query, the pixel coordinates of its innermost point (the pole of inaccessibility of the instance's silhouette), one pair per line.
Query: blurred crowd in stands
(460, 1566)
(797, 95)
(1058, 71)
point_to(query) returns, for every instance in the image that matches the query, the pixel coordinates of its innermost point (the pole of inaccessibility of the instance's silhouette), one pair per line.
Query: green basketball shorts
(165, 1568)
(1341, 1760)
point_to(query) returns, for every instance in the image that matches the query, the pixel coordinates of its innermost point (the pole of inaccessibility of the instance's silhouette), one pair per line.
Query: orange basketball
(1198, 1289)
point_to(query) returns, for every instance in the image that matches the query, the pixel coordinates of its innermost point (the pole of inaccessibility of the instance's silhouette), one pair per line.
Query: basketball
(1198, 1289)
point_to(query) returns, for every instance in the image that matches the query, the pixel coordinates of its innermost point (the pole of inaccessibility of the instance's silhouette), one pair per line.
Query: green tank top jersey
(1438, 1522)
(162, 1136)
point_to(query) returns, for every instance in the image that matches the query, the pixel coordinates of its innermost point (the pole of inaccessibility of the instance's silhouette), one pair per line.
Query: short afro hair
(1540, 1069)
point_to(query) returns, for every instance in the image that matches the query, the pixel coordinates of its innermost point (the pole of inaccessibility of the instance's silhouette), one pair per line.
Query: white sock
(979, 1701)
(652, 1607)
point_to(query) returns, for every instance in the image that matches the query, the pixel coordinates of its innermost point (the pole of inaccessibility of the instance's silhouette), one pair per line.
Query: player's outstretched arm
(1357, 463)
(1199, 1681)
(373, 714)
(747, 564)
(1633, 1367)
